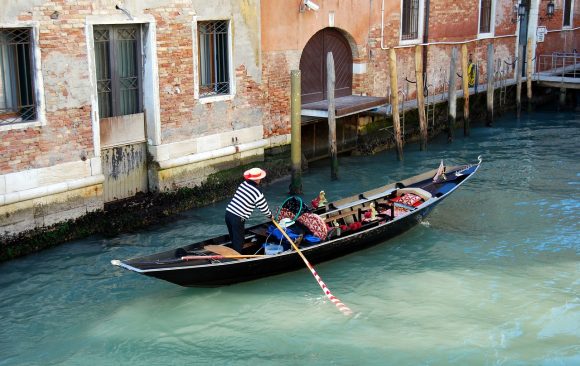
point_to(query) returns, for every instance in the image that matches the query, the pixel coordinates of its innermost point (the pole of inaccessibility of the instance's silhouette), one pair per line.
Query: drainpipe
(425, 40)
(383, 27)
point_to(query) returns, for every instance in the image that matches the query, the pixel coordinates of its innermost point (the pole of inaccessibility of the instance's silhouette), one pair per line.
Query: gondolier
(247, 197)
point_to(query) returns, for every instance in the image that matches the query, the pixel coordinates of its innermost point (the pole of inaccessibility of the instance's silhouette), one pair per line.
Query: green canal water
(491, 278)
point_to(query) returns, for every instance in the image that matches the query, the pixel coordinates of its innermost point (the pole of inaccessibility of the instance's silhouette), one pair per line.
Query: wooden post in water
(421, 96)
(519, 71)
(330, 81)
(296, 133)
(465, 90)
(395, 103)
(562, 99)
(452, 94)
(490, 85)
(529, 71)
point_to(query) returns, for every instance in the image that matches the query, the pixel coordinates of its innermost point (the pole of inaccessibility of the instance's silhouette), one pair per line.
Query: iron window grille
(485, 16)
(410, 20)
(118, 69)
(214, 75)
(17, 97)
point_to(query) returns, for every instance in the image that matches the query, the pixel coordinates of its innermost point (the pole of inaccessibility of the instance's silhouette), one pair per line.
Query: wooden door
(313, 65)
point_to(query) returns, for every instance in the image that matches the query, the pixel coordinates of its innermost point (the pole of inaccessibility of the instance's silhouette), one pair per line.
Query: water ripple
(492, 277)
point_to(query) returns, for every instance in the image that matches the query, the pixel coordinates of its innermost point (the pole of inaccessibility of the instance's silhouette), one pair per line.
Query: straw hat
(254, 174)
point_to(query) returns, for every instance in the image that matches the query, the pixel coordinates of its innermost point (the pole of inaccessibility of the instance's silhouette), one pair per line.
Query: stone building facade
(102, 99)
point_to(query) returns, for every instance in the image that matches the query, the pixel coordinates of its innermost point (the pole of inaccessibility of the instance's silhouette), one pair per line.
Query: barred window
(214, 75)
(567, 13)
(118, 64)
(410, 20)
(485, 16)
(17, 97)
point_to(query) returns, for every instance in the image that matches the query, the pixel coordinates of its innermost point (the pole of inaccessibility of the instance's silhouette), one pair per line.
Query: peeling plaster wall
(11, 9)
(67, 72)
(69, 131)
(65, 134)
(67, 76)
(184, 117)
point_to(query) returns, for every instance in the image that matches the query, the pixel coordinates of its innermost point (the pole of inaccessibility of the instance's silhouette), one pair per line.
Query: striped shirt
(248, 196)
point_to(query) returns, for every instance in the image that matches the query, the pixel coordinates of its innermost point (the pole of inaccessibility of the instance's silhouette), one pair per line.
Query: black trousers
(235, 226)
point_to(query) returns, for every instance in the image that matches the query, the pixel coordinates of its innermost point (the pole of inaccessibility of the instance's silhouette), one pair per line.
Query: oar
(342, 307)
(193, 257)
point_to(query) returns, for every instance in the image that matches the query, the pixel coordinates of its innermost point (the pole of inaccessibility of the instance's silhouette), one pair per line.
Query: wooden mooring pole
(296, 133)
(519, 71)
(395, 102)
(421, 96)
(452, 94)
(562, 99)
(330, 81)
(490, 85)
(529, 72)
(465, 80)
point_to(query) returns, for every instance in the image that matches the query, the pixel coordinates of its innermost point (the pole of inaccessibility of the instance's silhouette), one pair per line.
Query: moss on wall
(143, 210)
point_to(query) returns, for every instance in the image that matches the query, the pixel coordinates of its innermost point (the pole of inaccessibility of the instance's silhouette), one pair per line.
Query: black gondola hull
(241, 271)
(171, 267)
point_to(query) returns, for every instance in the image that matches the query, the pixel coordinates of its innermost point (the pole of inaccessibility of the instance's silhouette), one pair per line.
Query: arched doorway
(313, 65)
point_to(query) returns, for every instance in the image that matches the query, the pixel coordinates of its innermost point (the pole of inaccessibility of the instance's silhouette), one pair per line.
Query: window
(410, 20)
(214, 61)
(485, 11)
(118, 64)
(567, 13)
(17, 97)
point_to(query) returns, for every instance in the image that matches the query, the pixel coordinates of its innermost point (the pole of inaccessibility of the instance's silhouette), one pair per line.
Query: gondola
(349, 225)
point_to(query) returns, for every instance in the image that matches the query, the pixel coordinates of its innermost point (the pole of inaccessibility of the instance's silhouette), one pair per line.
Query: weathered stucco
(66, 81)
(284, 27)
(11, 9)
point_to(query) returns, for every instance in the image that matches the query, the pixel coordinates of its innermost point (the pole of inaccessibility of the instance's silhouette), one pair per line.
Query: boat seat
(340, 216)
(416, 191)
(221, 250)
(363, 199)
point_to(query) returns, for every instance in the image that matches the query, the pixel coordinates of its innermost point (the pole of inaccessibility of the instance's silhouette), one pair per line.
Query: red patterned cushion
(285, 214)
(313, 222)
(408, 199)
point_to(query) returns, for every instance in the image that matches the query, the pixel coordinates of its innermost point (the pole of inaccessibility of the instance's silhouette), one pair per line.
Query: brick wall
(277, 82)
(67, 135)
(182, 115)
(450, 21)
(175, 61)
